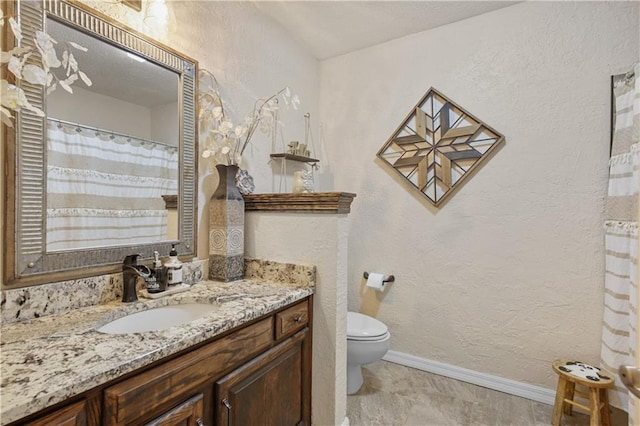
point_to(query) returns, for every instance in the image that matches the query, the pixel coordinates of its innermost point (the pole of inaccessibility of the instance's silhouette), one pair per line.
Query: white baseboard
(524, 390)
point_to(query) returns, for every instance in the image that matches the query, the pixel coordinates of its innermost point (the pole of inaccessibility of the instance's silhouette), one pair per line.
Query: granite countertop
(49, 359)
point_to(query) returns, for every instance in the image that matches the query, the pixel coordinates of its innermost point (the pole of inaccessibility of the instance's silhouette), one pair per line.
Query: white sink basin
(157, 318)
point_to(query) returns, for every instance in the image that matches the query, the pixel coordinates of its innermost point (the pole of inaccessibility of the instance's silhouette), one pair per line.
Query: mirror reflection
(53, 174)
(112, 150)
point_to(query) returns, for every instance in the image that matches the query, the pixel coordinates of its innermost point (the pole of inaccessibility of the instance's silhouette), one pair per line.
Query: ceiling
(332, 28)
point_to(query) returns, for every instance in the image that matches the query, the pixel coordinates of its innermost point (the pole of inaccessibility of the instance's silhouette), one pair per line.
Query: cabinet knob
(298, 318)
(225, 402)
(199, 422)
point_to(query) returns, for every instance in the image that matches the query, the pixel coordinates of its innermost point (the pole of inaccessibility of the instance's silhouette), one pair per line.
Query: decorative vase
(226, 228)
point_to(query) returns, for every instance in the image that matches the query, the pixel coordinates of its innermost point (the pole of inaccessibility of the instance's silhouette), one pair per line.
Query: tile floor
(393, 394)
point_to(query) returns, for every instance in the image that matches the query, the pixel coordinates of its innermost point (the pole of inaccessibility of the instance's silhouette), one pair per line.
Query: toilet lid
(361, 326)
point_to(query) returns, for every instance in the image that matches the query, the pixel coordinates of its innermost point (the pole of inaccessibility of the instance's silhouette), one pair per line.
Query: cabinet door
(272, 390)
(72, 415)
(189, 413)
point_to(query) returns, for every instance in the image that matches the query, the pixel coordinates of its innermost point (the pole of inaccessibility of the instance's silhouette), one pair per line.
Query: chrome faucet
(130, 273)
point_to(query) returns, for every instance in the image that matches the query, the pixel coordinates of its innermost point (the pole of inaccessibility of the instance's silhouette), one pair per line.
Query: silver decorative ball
(244, 182)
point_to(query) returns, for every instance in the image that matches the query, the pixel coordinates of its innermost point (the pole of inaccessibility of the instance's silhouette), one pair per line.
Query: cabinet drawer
(71, 415)
(143, 395)
(292, 319)
(190, 412)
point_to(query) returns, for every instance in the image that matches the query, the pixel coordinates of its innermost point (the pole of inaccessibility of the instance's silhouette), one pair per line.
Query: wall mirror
(110, 170)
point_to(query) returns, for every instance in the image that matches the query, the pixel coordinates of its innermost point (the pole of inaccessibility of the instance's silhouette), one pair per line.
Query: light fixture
(156, 13)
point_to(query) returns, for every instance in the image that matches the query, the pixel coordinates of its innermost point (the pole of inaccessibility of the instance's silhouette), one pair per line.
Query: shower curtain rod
(110, 132)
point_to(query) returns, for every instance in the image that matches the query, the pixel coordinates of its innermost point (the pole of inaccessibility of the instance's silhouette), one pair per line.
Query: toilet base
(354, 378)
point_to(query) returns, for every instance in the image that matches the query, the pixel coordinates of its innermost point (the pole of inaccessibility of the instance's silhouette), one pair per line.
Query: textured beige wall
(508, 274)
(320, 240)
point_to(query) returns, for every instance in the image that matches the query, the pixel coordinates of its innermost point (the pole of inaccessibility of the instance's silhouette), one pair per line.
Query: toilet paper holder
(385, 279)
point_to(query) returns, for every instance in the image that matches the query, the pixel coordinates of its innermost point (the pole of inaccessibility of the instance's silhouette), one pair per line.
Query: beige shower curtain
(105, 188)
(619, 331)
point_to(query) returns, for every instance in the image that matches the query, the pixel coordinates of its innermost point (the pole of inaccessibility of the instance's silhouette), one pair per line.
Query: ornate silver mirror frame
(27, 261)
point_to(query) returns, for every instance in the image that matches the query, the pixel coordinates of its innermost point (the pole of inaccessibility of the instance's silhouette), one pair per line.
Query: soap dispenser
(174, 267)
(159, 272)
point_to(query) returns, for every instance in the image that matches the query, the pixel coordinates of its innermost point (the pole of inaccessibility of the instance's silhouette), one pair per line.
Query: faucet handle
(143, 270)
(131, 259)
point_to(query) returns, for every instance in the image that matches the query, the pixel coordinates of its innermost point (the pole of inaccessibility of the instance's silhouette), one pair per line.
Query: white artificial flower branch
(224, 142)
(15, 60)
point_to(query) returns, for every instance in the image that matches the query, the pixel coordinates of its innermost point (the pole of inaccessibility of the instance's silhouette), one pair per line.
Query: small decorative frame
(438, 145)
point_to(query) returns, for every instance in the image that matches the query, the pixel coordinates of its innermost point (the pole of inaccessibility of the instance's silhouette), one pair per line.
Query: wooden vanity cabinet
(261, 371)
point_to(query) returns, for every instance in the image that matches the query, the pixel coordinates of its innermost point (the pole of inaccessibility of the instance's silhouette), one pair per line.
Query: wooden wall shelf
(170, 201)
(313, 202)
(292, 157)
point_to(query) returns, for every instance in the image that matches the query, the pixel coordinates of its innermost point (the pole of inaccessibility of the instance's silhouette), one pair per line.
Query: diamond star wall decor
(438, 145)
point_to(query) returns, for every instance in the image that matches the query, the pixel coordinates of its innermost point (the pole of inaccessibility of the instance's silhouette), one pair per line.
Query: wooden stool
(571, 373)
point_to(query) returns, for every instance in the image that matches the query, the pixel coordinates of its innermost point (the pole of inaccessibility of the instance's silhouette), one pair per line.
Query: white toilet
(367, 342)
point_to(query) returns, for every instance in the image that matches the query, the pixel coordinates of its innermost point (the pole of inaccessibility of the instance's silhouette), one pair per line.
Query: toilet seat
(362, 327)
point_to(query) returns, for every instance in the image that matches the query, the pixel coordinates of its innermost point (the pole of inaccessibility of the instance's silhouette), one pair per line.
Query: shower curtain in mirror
(105, 189)
(619, 331)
